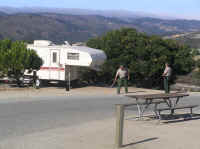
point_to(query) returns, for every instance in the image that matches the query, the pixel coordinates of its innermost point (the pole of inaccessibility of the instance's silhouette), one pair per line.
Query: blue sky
(184, 8)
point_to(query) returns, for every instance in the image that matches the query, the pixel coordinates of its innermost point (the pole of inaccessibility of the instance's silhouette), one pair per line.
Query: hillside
(191, 39)
(2, 13)
(55, 27)
(74, 28)
(77, 11)
(166, 27)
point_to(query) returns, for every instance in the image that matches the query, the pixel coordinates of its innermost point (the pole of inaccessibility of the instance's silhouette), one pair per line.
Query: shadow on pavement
(137, 92)
(142, 141)
(179, 118)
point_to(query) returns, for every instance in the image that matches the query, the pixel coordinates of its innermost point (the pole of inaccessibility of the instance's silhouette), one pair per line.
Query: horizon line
(166, 16)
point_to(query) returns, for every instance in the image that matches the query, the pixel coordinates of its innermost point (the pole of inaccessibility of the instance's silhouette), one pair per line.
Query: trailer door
(55, 65)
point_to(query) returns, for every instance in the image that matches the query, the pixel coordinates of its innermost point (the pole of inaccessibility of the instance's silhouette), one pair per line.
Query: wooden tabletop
(158, 96)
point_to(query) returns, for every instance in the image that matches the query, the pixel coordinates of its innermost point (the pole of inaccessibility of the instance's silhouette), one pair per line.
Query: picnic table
(170, 99)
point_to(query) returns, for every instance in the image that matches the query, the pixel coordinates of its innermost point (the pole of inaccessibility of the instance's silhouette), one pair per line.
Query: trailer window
(73, 56)
(54, 57)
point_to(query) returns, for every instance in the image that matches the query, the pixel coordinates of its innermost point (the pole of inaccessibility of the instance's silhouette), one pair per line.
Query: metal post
(119, 125)
(66, 86)
(67, 77)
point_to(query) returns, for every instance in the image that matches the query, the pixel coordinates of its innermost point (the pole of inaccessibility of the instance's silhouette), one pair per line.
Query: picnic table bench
(170, 99)
(175, 108)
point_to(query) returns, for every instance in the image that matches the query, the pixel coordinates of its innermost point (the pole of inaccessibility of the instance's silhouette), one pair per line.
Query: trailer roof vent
(42, 43)
(67, 43)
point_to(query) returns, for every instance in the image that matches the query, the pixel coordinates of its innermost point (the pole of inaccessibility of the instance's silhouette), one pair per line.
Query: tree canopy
(15, 58)
(144, 56)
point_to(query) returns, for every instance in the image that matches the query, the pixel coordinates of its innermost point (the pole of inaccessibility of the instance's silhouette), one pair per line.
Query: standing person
(166, 76)
(34, 78)
(122, 76)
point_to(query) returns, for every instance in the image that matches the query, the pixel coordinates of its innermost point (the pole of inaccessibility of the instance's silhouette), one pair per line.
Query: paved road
(19, 117)
(25, 116)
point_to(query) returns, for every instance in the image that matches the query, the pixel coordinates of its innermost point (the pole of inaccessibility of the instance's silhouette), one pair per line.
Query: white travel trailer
(62, 62)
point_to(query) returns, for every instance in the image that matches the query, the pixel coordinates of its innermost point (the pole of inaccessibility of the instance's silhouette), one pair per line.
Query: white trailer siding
(57, 57)
(84, 59)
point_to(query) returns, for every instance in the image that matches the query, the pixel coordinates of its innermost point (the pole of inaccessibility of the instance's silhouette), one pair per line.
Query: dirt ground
(91, 90)
(143, 134)
(101, 134)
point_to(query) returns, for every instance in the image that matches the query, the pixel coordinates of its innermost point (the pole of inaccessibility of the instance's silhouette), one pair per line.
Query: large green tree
(15, 58)
(144, 55)
(5, 45)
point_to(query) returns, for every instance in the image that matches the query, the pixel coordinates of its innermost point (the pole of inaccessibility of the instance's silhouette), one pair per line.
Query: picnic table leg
(170, 104)
(191, 112)
(177, 100)
(139, 108)
(174, 105)
(148, 102)
(139, 111)
(155, 111)
(159, 116)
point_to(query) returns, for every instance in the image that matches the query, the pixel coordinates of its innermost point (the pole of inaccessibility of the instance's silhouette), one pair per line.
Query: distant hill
(2, 13)
(123, 14)
(163, 27)
(74, 28)
(56, 27)
(191, 39)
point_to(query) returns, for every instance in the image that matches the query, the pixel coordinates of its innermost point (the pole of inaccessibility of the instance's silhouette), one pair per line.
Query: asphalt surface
(21, 116)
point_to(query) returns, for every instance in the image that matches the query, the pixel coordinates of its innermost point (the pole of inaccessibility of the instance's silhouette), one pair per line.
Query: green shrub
(144, 55)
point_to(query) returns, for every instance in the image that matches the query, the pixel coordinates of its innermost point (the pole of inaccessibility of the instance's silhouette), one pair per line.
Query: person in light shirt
(166, 76)
(122, 76)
